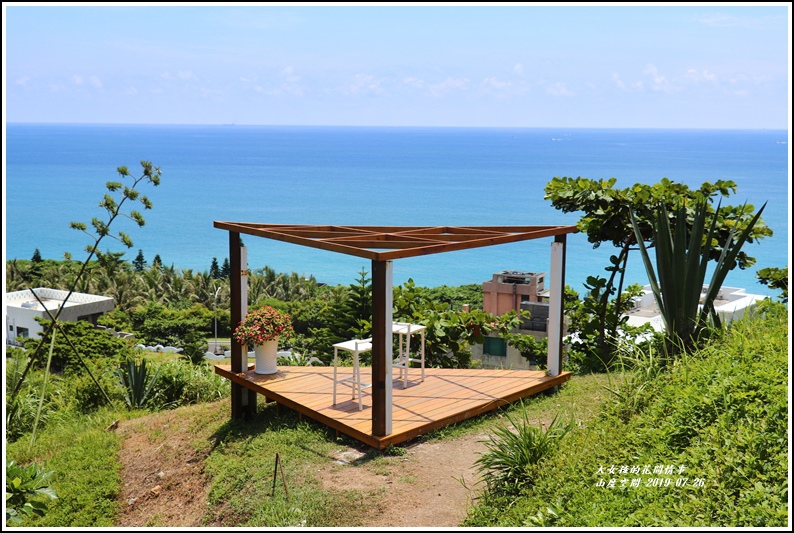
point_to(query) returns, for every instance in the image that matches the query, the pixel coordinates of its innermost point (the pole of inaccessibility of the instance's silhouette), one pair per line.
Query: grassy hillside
(704, 443)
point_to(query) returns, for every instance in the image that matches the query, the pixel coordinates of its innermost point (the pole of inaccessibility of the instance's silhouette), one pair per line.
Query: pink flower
(263, 324)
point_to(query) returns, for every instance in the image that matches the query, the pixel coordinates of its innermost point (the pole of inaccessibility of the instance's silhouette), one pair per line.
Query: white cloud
(288, 73)
(448, 85)
(654, 73)
(131, 91)
(696, 76)
(518, 69)
(94, 81)
(659, 82)
(23, 81)
(620, 84)
(365, 84)
(559, 89)
(414, 82)
(494, 83)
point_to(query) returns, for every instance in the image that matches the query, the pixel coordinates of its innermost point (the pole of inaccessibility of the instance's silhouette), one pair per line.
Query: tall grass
(513, 452)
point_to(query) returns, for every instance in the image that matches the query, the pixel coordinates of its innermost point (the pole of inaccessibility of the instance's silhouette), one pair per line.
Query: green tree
(102, 347)
(354, 319)
(101, 229)
(36, 256)
(607, 218)
(226, 268)
(139, 263)
(215, 272)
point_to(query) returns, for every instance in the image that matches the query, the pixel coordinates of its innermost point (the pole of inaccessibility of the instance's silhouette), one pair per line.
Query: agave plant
(682, 257)
(134, 379)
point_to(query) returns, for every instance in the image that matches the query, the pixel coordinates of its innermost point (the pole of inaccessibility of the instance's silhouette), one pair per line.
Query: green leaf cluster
(23, 484)
(776, 278)
(113, 206)
(611, 215)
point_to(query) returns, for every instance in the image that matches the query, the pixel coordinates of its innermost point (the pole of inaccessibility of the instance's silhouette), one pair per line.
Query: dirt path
(431, 485)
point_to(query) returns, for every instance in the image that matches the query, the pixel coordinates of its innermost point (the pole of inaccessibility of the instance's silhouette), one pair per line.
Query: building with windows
(508, 289)
(22, 308)
(514, 290)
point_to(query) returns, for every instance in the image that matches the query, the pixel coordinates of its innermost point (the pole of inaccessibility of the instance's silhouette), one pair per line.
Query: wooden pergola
(382, 245)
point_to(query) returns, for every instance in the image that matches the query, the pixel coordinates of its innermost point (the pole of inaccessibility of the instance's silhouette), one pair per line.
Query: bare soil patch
(162, 473)
(431, 485)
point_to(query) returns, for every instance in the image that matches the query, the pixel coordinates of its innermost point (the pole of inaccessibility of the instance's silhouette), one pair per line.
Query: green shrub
(86, 396)
(21, 408)
(512, 453)
(181, 383)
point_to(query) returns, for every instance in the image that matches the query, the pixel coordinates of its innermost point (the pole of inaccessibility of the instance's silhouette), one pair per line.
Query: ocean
(55, 174)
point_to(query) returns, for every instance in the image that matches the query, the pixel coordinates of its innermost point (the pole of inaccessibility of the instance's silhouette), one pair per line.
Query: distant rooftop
(731, 302)
(51, 298)
(516, 276)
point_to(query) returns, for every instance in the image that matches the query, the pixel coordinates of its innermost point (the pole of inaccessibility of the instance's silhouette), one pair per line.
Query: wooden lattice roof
(386, 243)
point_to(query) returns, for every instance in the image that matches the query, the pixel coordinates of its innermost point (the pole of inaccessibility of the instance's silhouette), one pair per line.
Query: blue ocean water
(55, 174)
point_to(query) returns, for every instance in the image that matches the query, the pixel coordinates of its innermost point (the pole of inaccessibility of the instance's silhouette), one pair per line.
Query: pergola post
(381, 348)
(556, 307)
(243, 399)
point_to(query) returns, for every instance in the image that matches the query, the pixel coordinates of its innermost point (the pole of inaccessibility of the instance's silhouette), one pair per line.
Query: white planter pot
(266, 357)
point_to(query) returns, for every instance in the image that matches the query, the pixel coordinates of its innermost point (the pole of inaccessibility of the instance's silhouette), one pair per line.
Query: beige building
(513, 290)
(508, 289)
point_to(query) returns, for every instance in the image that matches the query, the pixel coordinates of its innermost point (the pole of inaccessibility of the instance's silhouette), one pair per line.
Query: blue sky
(685, 66)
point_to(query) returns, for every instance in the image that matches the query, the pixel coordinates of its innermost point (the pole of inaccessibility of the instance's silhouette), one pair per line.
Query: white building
(731, 304)
(22, 308)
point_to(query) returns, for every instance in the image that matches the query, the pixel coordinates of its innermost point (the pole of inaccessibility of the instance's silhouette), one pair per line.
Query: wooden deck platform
(446, 396)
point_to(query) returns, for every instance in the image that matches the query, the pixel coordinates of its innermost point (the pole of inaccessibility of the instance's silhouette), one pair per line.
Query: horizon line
(232, 124)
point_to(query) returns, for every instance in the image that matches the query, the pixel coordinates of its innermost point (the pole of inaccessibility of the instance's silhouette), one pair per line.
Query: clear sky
(511, 65)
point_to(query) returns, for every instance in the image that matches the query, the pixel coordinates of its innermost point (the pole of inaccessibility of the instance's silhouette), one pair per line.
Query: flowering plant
(263, 324)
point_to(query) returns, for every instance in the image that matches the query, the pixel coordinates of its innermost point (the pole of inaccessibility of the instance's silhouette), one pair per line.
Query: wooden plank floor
(446, 396)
